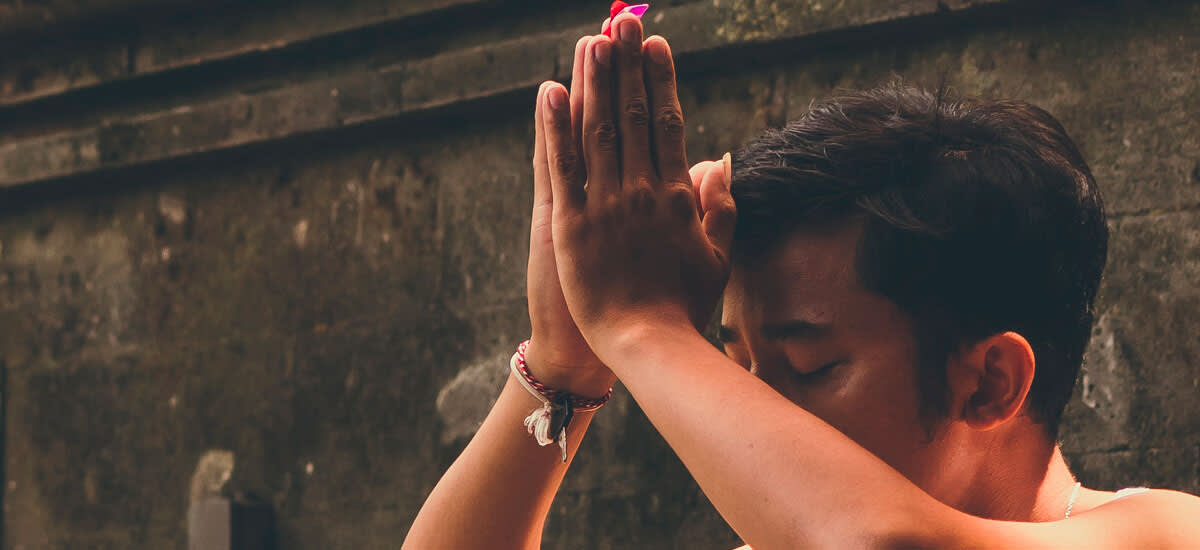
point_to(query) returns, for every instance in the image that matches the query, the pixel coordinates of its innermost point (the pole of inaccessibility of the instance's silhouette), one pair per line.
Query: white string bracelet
(549, 423)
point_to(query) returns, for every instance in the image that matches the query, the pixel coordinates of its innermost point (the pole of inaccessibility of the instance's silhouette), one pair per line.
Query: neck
(1013, 475)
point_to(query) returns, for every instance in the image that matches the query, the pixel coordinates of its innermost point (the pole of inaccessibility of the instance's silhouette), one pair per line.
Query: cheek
(873, 400)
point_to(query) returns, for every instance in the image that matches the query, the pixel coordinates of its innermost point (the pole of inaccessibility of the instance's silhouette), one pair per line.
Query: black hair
(979, 217)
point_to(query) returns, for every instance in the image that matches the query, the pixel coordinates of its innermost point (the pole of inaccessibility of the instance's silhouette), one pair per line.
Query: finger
(667, 135)
(600, 148)
(541, 171)
(727, 165)
(696, 174)
(577, 92)
(566, 181)
(697, 171)
(633, 119)
(720, 212)
(604, 27)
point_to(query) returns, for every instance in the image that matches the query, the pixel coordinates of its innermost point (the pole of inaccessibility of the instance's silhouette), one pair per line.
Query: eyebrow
(789, 330)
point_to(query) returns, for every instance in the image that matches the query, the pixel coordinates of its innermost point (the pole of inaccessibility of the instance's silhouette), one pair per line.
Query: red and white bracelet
(558, 407)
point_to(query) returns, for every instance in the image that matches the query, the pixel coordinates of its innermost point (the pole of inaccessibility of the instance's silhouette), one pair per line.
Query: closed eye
(816, 375)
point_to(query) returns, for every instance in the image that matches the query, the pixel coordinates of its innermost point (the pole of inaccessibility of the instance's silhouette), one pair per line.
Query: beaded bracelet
(558, 407)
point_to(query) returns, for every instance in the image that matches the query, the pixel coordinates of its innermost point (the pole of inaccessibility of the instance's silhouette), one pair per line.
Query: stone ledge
(18, 16)
(154, 49)
(418, 86)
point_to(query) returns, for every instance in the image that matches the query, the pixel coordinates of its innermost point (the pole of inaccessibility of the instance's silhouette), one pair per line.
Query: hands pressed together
(624, 235)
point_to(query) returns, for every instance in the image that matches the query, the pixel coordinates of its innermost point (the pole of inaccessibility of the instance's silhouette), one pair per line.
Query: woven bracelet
(558, 407)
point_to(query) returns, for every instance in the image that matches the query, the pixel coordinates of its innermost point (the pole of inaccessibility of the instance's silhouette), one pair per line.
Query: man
(910, 288)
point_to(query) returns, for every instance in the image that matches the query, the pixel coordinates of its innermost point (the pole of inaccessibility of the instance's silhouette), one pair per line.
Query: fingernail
(557, 97)
(660, 52)
(628, 31)
(602, 52)
(727, 161)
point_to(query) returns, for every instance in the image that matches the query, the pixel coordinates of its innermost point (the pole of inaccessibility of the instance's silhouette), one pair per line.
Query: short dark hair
(979, 217)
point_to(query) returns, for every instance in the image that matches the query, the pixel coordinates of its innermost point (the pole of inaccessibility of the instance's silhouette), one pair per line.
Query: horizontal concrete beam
(21, 16)
(57, 68)
(418, 86)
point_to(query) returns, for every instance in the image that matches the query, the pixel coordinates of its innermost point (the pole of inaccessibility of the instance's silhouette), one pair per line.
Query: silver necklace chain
(1071, 501)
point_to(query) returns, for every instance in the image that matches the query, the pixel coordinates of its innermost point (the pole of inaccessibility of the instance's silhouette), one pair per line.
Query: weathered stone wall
(296, 231)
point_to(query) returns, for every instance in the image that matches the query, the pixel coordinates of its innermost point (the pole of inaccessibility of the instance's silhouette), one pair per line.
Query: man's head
(911, 231)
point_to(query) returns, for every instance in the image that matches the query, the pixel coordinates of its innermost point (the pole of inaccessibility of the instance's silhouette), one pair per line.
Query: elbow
(917, 533)
(906, 541)
(877, 538)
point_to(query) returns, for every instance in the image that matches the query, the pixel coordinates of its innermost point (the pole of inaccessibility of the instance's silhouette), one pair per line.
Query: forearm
(779, 475)
(498, 491)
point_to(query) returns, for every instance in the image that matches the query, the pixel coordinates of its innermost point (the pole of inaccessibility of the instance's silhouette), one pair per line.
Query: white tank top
(1130, 491)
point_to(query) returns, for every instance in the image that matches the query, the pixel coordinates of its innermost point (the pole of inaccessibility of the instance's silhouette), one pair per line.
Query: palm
(558, 338)
(547, 307)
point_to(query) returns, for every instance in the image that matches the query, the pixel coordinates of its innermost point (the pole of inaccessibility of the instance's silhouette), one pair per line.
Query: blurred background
(265, 260)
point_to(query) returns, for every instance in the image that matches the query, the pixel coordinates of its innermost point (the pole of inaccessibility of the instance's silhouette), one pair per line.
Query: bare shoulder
(1162, 507)
(1154, 518)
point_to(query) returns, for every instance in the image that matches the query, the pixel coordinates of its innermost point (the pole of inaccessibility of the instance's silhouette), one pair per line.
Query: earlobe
(1004, 367)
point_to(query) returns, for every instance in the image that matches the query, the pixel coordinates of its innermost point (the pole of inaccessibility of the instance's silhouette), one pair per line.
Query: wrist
(620, 346)
(582, 380)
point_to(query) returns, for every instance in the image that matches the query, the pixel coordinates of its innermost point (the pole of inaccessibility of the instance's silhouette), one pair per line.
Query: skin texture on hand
(633, 246)
(558, 353)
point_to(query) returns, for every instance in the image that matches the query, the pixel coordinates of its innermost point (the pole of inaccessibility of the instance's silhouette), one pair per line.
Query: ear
(990, 381)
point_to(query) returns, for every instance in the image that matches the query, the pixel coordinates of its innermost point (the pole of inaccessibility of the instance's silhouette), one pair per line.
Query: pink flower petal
(637, 10)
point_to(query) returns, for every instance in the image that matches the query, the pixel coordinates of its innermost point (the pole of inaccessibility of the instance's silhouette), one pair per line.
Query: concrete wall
(284, 230)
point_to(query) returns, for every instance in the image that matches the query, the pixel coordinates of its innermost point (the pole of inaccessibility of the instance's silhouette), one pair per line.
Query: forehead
(810, 274)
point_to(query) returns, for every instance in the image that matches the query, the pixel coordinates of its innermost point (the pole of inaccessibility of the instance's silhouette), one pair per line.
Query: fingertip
(603, 55)
(541, 93)
(712, 185)
(617, 33)
(727, 164)
(657, 39)
(556, 96)
(626, 15)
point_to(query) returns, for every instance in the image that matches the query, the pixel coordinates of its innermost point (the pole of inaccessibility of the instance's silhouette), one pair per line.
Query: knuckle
(730, 205)
(635, 111)
(664, 77)
(669, 122)
(566, 162)
(632, 55)
(680, 200)
(560, 122)
(606, 137)
(611, 205)
(642, 200)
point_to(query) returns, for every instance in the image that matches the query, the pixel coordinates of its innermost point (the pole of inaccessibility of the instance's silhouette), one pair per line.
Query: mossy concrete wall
(297, 231)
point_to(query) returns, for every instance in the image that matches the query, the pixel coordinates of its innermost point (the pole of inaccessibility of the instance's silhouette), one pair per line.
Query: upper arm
(1156, 519)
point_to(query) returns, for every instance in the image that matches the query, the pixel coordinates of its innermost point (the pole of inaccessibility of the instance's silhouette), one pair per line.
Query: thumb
(697, 172)
(720, 212)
